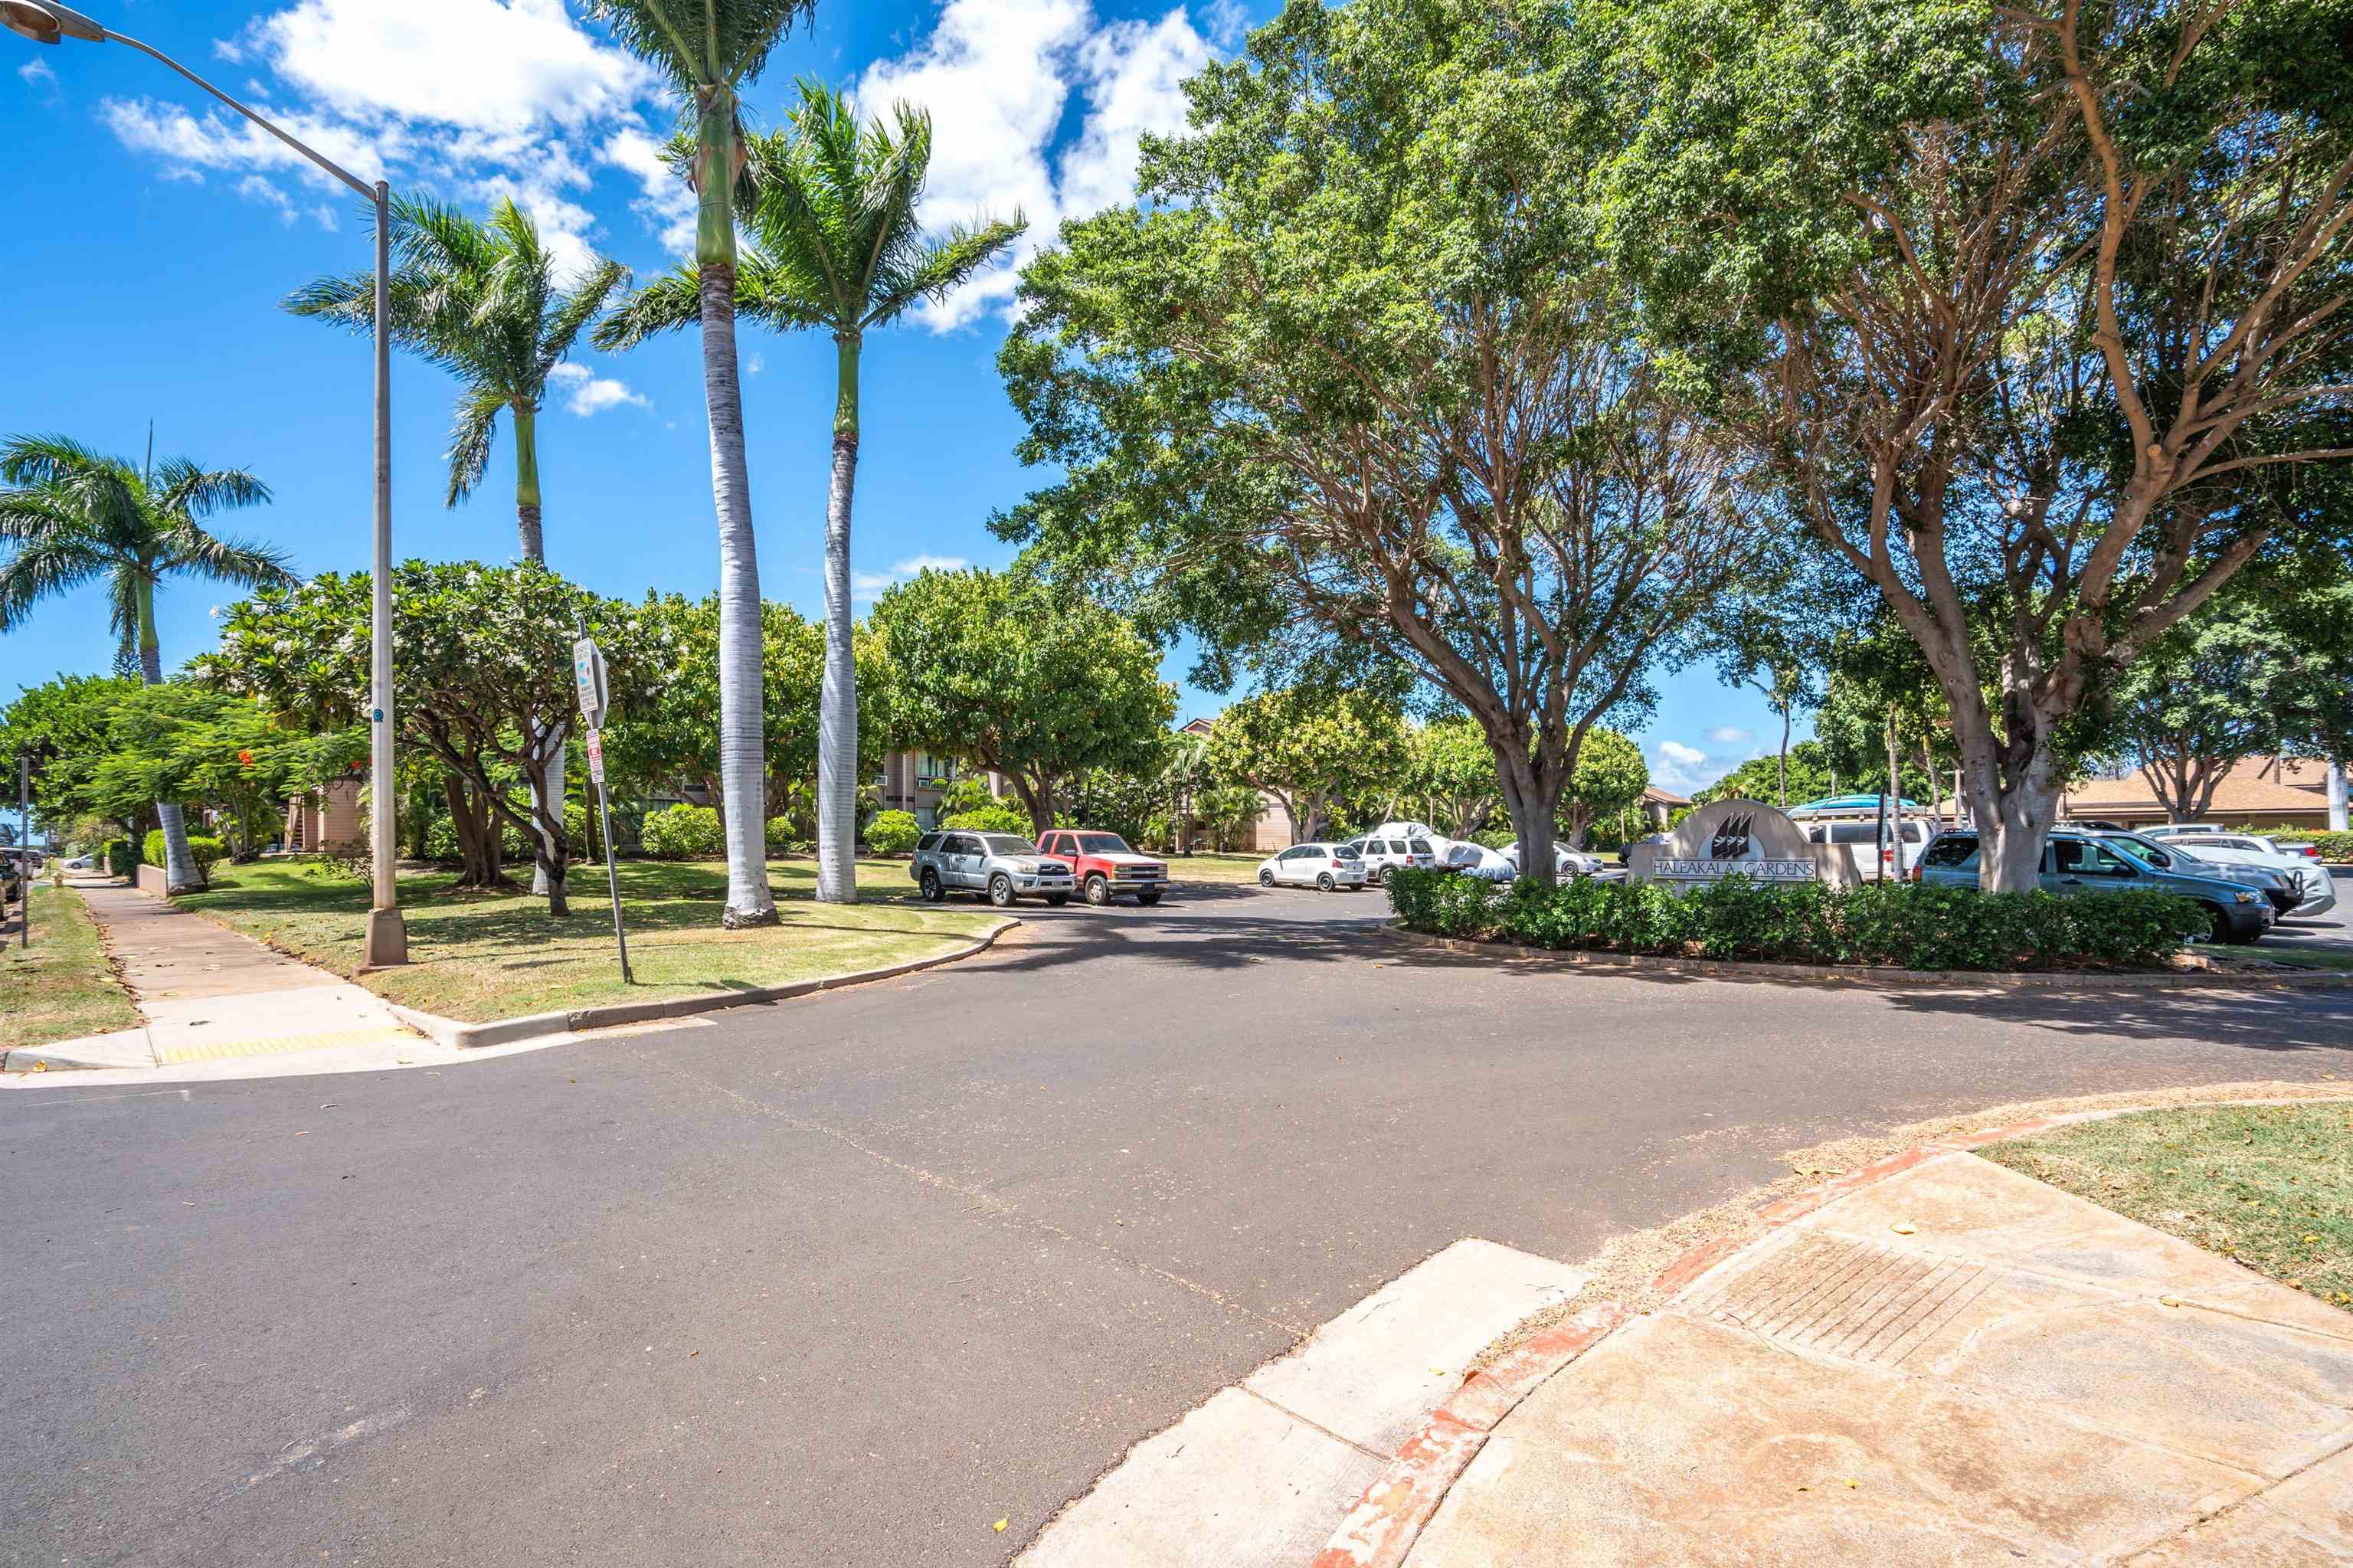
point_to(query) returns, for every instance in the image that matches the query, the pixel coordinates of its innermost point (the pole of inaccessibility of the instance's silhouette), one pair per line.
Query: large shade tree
(477, 652)
(838, 246)
(1361, 370)
(1308, 746)
(481, 298)
(70, 515)
(709, 50)
(997, 670)
(2049, 303)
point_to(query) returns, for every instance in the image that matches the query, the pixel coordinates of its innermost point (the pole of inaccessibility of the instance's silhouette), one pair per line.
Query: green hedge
(203, 848)
(994, 819)
(1904, 924)
(678, 831)
(892, 832)
(2335, 848)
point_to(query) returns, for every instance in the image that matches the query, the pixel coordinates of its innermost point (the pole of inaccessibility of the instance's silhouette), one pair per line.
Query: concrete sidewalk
(209, 994)
(1954, 1364)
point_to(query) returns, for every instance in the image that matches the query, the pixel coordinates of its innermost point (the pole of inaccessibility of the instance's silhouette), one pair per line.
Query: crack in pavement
(986, 1203)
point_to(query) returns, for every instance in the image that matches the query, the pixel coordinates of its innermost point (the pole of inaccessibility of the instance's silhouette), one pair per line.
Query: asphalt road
(848, 1279)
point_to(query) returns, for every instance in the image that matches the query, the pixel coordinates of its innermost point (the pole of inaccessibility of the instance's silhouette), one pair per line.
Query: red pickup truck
(1105, 866)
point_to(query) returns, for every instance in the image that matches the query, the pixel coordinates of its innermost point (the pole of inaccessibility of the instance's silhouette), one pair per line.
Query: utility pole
(25, 843)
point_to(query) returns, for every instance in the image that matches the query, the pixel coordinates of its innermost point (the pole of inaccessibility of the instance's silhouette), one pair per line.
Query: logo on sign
(1731, 840)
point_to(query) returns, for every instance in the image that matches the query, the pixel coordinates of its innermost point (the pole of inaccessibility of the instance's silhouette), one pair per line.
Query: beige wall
(328, 815)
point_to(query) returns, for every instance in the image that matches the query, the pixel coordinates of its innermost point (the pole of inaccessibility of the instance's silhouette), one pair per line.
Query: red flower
(246, 757)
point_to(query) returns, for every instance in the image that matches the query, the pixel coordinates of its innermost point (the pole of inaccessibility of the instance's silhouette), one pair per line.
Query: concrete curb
(1873, 974)
(460, 1036)
(1381, 1530)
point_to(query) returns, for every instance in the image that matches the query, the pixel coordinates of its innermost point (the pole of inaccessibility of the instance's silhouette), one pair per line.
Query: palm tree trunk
(836, 735)
(180, 872)
(526, 435)
(547, 744)
(742, 742)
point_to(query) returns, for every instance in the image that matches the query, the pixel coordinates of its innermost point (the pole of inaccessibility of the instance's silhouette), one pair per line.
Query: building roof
(1194, 727)
(1654, 796)
(2249, 791)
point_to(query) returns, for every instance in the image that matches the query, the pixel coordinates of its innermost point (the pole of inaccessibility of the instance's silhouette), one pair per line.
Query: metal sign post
(596, 697)
(25, 844)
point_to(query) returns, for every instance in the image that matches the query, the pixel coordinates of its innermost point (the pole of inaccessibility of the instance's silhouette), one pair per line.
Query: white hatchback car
(2252, 849)
(1325, 866)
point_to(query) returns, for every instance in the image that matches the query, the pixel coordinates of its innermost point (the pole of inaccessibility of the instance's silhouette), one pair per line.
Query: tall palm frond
(701, 43)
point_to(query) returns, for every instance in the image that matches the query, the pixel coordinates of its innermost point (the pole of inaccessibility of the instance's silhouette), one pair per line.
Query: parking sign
(588, 675)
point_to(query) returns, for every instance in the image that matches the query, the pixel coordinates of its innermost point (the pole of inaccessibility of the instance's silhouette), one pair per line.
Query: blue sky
(152, 235)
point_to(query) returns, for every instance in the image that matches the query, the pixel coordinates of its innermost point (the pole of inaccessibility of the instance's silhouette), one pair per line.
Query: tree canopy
(999, 670)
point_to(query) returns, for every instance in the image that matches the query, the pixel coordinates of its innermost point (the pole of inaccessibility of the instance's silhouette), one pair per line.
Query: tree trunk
(478, 850)
(526, 435)
(743, 743)
(837, 734)
(2337, 804)
(547, 793)
(1531, 822)
(180, 872)
(1784, 766)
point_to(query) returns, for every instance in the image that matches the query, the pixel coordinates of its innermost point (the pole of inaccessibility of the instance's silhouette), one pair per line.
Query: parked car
(2168, 854)
(1105, 866)
(1323, 866)
(1467, 859)
(1873, 859)
(2167, 830)
(1384, 852)
(2080, 863)
(1566, 862)
(1001, 867)
(2316, 887)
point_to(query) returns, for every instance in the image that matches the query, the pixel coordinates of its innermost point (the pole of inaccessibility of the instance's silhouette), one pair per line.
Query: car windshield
(1346, 851)
(1103, 843)
(2156, 857)
(1007, 844)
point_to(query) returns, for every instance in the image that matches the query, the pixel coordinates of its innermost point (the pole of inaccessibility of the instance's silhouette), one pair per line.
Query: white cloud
(1683, 768)
(998, 76)
(667, 202)
(37, 73)
(253, 187)
(477, 65)
(754, 362)
(1727, 735)
(866, 584)
(587, 393)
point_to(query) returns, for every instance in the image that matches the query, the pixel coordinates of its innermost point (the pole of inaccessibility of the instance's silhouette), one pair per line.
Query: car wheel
(1380, 876)
(2218, 923)
(1058, 899)
(1098, 890)
(1149, 897)
(932, 891)
(1323, 882)
(1265, 877)
(1000, 890)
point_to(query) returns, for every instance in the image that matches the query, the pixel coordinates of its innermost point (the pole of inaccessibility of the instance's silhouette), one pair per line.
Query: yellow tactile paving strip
(221, 1050)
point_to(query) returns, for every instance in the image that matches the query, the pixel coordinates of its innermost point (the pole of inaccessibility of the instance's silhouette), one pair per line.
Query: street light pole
(46, 22)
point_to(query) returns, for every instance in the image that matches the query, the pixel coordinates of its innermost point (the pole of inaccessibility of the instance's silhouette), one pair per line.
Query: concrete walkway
(209, 994)
(1957, 1364)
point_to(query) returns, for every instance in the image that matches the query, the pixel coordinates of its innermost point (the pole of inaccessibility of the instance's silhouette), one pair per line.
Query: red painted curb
(1381, 1530)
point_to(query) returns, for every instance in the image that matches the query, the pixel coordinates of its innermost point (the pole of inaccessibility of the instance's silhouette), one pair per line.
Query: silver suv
(1000, 866)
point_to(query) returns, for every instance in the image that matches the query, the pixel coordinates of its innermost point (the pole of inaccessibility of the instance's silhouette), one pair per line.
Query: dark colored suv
(2082, 863)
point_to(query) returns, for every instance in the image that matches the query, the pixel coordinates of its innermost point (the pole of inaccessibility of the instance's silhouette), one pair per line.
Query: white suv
(1385, 852)
(2252, 849)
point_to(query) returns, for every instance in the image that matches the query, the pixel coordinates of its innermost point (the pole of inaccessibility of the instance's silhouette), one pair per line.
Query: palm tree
(72, 516)
(709, 48)
(482, 299)
(832, 209)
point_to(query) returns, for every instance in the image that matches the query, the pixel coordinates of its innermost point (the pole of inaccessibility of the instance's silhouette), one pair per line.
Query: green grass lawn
(59, 987)
(2271, 1186)
(478, 955)
(1217, 868)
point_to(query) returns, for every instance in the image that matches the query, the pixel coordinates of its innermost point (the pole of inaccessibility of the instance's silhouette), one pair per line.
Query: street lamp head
(45, 22)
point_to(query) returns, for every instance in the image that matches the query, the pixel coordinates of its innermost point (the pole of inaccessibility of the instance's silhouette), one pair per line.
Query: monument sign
(1729, 838)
